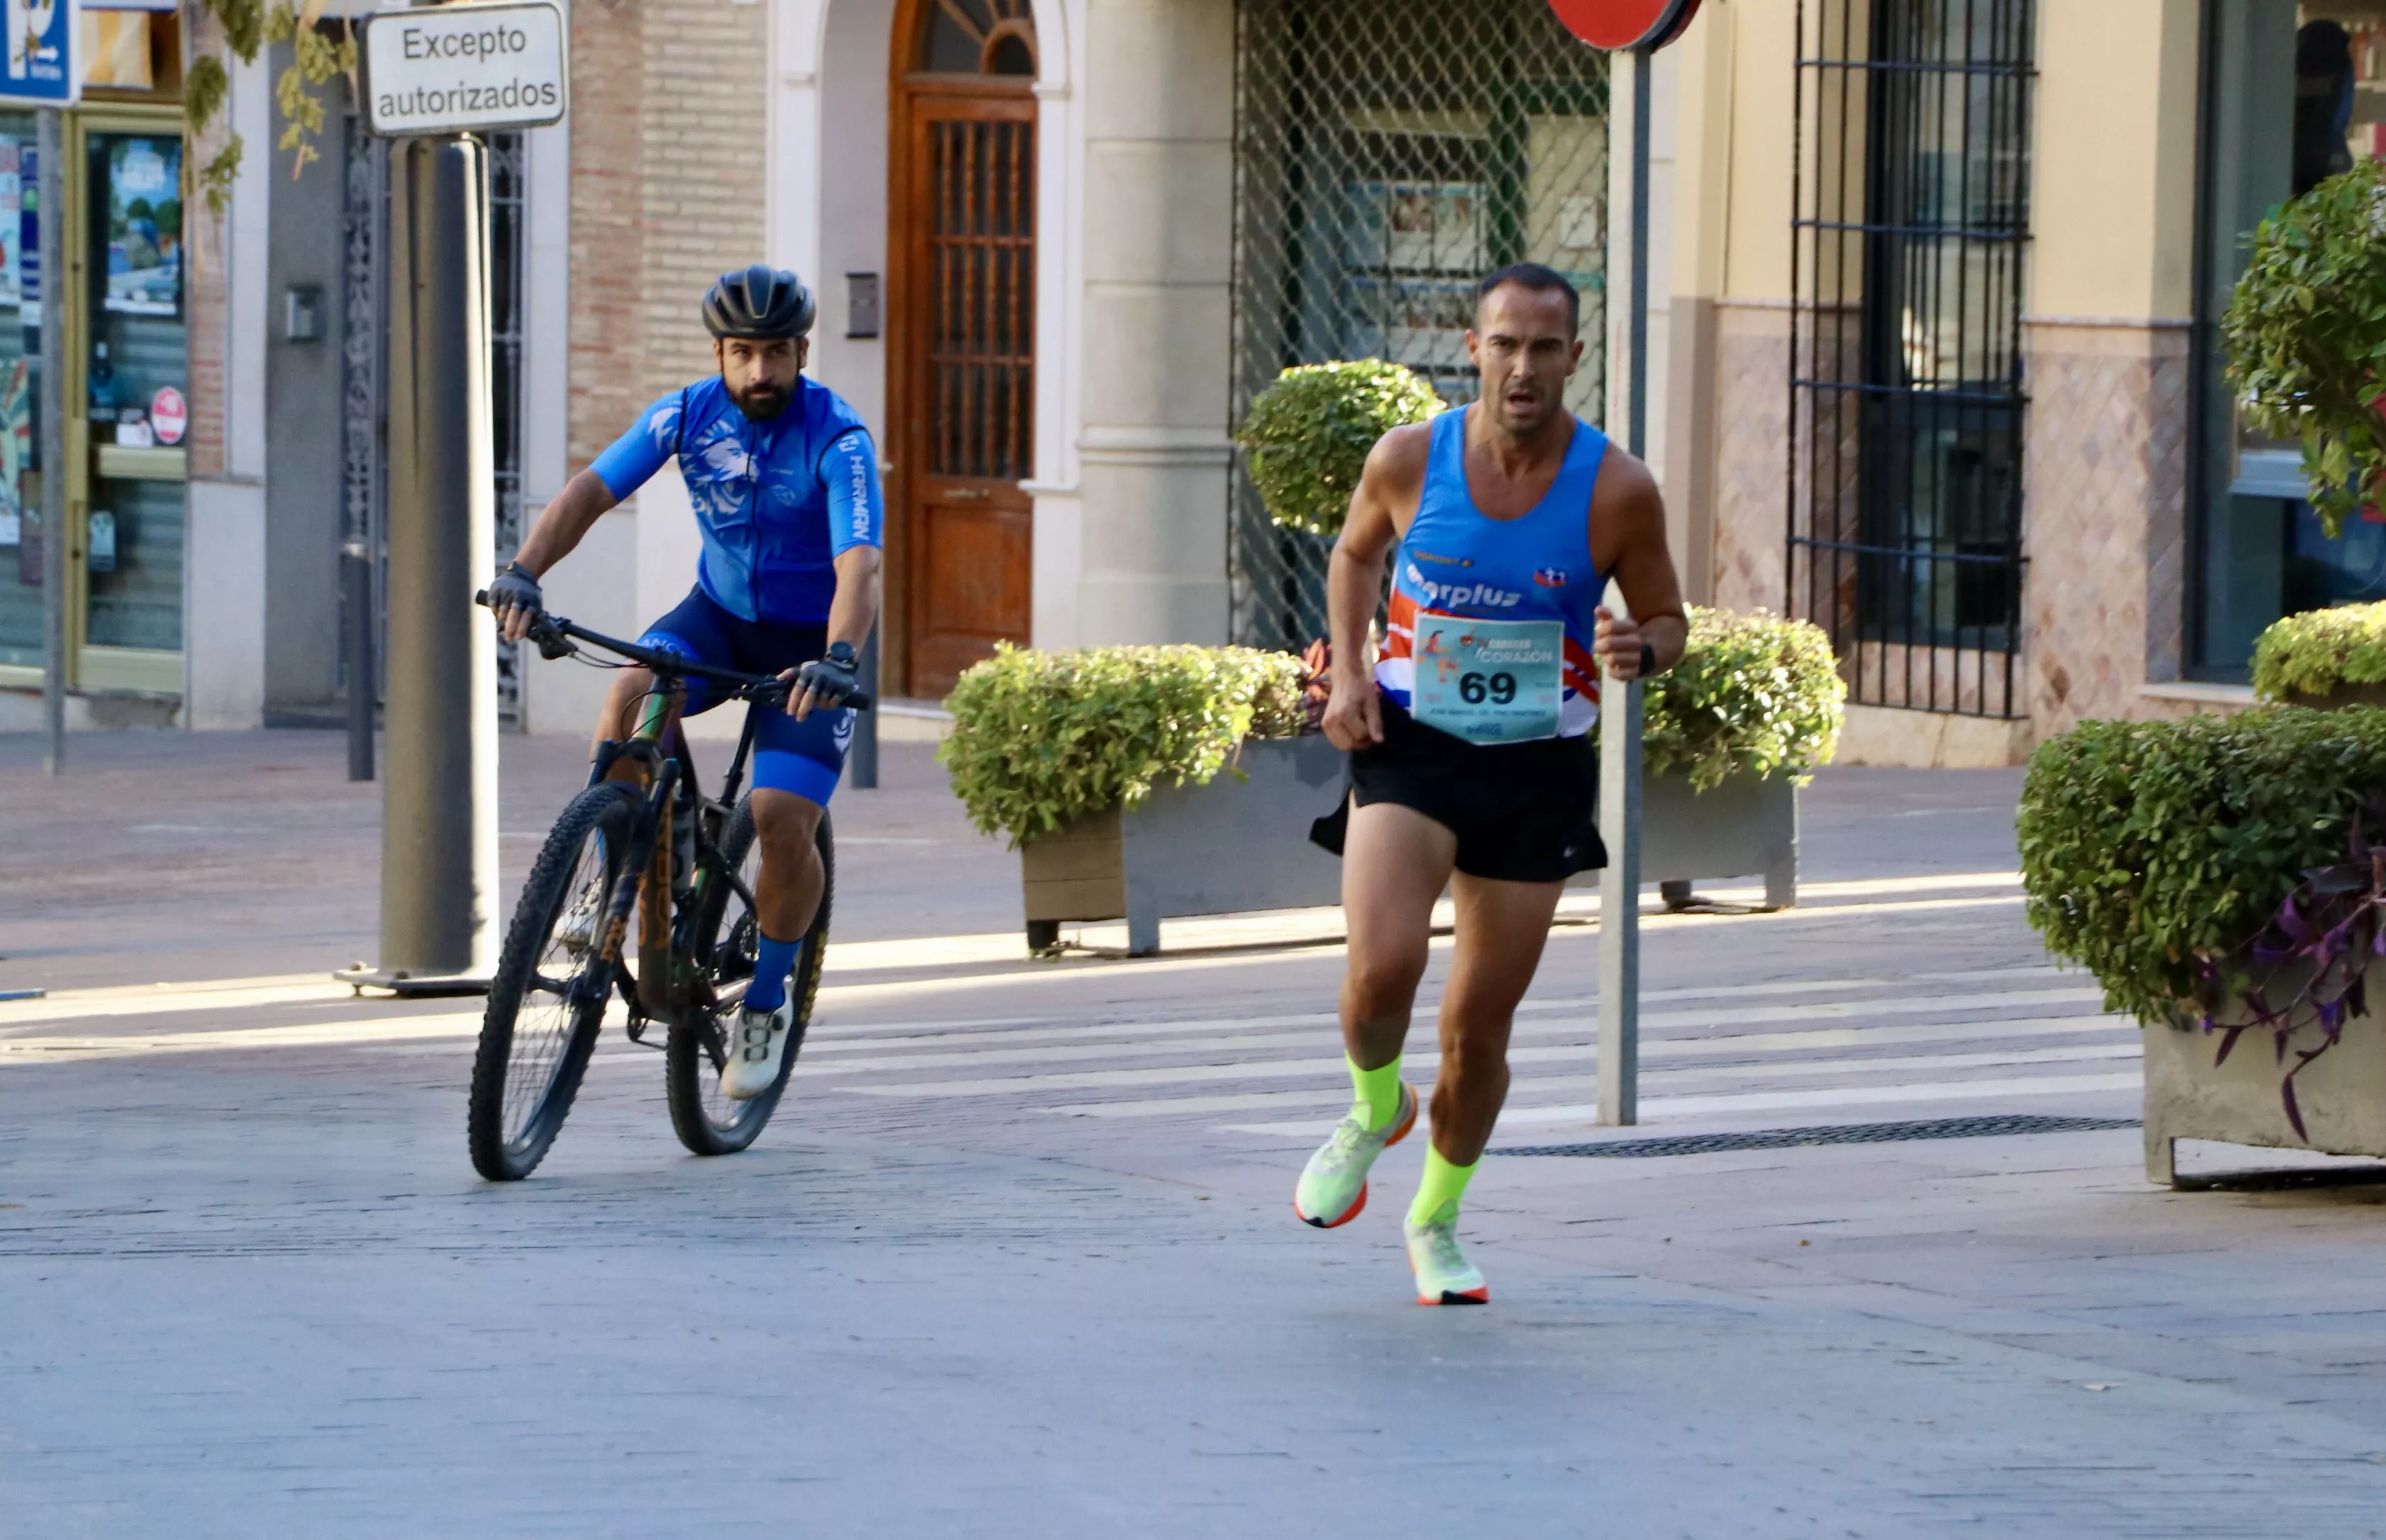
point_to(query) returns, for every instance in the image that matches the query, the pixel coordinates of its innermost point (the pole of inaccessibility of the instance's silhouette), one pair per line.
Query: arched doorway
(961, 269)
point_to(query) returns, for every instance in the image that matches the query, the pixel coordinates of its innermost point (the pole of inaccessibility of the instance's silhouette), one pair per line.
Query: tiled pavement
(1017, 1256)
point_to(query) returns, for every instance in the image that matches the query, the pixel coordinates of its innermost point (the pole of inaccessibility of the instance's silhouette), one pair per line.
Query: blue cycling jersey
(778, 501)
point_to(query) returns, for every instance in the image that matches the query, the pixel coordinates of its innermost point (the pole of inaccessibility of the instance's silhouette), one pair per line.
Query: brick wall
(203, 238)
(669, 169)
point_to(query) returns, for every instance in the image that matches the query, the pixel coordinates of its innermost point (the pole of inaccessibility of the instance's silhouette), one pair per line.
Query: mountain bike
(688, 864)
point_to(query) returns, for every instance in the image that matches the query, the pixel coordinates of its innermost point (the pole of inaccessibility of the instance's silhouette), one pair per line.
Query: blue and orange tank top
(1456, 562)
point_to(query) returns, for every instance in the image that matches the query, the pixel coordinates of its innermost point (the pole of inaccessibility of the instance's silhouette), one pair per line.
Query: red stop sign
(1626, 23)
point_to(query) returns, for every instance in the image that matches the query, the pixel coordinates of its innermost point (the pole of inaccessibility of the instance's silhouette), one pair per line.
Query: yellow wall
(1763, 48)
(1702, 161)
(2112, 203)
(2113, 195)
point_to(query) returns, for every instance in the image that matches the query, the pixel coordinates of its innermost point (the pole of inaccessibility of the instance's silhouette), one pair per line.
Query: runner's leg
(1501, 929)
(1394, 863)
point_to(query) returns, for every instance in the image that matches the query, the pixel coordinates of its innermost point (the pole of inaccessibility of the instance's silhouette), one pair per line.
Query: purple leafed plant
(2324, 937)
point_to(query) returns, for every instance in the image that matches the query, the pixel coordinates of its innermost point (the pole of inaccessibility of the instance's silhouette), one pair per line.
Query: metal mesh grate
(507, 189)
(1911, 218)
(1388, 153)
(1844, 1134)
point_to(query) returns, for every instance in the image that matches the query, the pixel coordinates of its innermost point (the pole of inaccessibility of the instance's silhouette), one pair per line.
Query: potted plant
(2324, 658)
(1727, 737)
(1143, 782)
(1306, 437)
(2305, 331)
(2219, 878)
(1104, 767)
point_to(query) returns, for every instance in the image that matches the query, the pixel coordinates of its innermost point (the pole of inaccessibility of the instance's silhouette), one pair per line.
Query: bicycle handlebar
(555, 636)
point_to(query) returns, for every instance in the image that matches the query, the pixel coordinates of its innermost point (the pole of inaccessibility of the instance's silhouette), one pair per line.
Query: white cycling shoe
(759, 1049)
(1332, 1187)
(576, 931)
(1444, 1276)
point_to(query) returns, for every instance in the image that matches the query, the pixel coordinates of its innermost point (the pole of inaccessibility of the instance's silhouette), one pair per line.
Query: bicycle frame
(671, 975)
(671, 971)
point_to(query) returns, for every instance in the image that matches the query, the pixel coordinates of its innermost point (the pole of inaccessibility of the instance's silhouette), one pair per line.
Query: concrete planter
(1743, 828)
(1229, 847)
(1237, 845)
(2343, 694)
(2342, 1095)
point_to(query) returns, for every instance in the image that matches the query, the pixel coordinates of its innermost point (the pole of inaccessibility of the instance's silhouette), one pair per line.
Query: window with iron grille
(1912, 220)
(1387, 153)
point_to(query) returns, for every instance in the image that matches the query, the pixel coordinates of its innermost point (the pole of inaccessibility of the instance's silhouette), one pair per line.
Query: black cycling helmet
(760, 302)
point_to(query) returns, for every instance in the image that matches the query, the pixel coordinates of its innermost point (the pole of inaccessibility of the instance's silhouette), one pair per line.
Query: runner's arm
(857, 519)
(1627, 507)
(1354, 582)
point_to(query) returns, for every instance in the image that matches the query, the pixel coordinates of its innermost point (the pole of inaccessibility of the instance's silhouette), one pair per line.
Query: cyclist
(1468, 739)
(783, 480)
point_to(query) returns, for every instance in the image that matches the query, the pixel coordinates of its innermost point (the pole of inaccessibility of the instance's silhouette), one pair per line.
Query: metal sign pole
(49, 203)
(439, 802)
(861, 764)
(1619, 800)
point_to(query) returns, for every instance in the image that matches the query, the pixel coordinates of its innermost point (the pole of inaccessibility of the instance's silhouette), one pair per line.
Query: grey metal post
(439, 825)
(356, 652)
(862, 762)
(53, 406)
(1619, 732)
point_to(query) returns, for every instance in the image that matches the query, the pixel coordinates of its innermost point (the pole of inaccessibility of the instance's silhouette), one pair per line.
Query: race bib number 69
(1488, 681)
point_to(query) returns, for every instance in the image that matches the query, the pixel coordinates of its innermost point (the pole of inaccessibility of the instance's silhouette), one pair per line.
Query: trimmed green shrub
(2313, 652)
(2306, 337)
(1755, 694)
(1308, 433)
(2150, 850)
(1043, 738)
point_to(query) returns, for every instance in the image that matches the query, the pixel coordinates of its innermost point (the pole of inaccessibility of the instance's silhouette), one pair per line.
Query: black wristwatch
(841, 653)
(1648, 661)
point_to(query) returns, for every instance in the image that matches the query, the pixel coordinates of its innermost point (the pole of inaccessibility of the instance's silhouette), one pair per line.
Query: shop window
(2295, 93)
(135, 381)
(1912, 224)
(1389, 153)
(20, 531)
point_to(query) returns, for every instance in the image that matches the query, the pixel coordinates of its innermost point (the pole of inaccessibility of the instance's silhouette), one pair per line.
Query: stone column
(1154, 344)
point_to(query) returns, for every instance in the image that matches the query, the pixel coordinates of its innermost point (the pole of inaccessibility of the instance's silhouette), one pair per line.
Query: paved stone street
(1017, 1255)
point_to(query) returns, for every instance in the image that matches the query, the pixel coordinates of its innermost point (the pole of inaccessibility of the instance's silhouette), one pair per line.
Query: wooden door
(966, 375)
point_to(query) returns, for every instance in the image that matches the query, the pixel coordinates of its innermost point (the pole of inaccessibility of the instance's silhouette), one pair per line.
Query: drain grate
(1844, 1134)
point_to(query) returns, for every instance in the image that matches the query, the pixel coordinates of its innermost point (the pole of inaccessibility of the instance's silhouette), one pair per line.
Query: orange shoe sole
(1452, 1296)
(1352, 1212)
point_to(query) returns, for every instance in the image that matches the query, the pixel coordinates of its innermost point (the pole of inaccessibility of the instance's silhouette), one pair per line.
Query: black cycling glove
(515, 589)
(833, 679)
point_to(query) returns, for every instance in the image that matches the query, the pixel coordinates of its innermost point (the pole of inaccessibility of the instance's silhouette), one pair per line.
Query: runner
(1471, 766)
(784, 483)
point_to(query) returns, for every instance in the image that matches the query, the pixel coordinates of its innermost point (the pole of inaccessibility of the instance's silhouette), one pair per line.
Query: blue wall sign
(40, 69)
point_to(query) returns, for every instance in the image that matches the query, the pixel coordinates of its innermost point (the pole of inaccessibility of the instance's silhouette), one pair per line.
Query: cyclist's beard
(761, 400)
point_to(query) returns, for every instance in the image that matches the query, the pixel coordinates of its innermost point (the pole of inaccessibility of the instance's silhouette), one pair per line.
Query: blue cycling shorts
(805, 758)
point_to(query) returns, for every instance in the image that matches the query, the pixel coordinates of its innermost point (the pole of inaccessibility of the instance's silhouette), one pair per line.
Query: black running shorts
(1522, 812)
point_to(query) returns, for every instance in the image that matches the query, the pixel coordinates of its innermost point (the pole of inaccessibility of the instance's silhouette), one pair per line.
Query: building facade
(1060, 244)
(1942, 371)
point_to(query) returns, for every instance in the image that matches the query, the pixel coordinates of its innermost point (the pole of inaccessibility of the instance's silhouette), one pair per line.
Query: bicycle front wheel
(549, 992)
(708, 1120)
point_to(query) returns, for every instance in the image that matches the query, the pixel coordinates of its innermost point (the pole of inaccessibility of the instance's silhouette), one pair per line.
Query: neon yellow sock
(1375, 1091)
(1438, 1194)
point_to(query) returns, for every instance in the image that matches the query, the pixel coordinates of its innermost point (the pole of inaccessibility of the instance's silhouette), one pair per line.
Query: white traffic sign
(446, 69)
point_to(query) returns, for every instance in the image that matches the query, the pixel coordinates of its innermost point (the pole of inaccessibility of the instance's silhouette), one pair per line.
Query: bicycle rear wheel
(552, 982)
(705, 1120)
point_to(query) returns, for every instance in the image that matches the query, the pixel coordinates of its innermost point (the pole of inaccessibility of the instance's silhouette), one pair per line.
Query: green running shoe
(1334, 1184)
(1444, 1276)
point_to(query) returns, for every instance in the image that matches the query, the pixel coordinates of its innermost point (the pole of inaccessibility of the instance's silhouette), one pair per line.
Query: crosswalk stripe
(1772, 1101)
(1844, 1037)
(1336, 1093)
